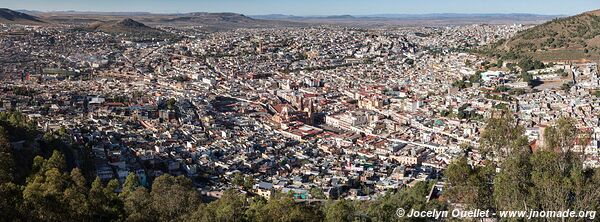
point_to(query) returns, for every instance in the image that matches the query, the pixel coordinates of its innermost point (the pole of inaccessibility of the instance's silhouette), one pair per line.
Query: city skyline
(313, 7)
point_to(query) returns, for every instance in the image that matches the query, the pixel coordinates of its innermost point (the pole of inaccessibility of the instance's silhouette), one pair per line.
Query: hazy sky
(313, 7)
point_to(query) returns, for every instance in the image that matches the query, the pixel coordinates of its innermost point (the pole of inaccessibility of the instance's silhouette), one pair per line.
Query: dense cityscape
(321, 112)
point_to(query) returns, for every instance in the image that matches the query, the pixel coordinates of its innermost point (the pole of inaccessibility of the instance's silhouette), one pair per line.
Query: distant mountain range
(225, 21)
(417, 19)
(392, 16)
(228, 21)
(570, 38)
(205, 21)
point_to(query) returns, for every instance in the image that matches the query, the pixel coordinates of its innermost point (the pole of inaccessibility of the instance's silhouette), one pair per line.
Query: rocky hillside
(570, 38)
(8, 16)
(129, 27)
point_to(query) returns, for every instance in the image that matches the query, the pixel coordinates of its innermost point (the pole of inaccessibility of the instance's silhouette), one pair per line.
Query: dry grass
(565, 55)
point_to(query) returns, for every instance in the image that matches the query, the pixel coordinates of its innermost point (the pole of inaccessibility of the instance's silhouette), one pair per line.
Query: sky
(313, 7)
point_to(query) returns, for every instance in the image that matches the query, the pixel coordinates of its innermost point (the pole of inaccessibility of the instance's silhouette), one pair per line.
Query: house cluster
(325, 112)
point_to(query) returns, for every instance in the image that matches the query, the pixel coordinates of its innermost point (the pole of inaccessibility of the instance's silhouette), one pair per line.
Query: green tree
(37, 167)
(57, 160)
(561, 136)
(43, 196)
(11, 201)
(384, 208)
(171, 103)
(248, 182)
(104, 202)
(75, 195)
(131, 184)
(138, 206)
(527, 77)
(237, 179)
(173, 197)
(317, 193)
(468, 185)
(339, 211)
(551, 185)
(512, 185)
(502, 136)
(204, 213)
(567, 86)
(282, 207)
(96, 198)
(254, 210)
(7, 164)
(46, 189)
(587, 192)
(227, 208)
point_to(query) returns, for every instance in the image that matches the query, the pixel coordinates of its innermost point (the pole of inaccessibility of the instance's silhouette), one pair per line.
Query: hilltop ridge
(14, 17)
(128, 27)
(564, 39)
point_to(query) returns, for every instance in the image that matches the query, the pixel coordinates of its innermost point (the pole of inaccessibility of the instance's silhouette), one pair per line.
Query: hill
(575, 38)
(217, 21)
(13, 17)
(213, 21)
(201, 20)
(340, 17)
(128, 27)
(125, 25)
